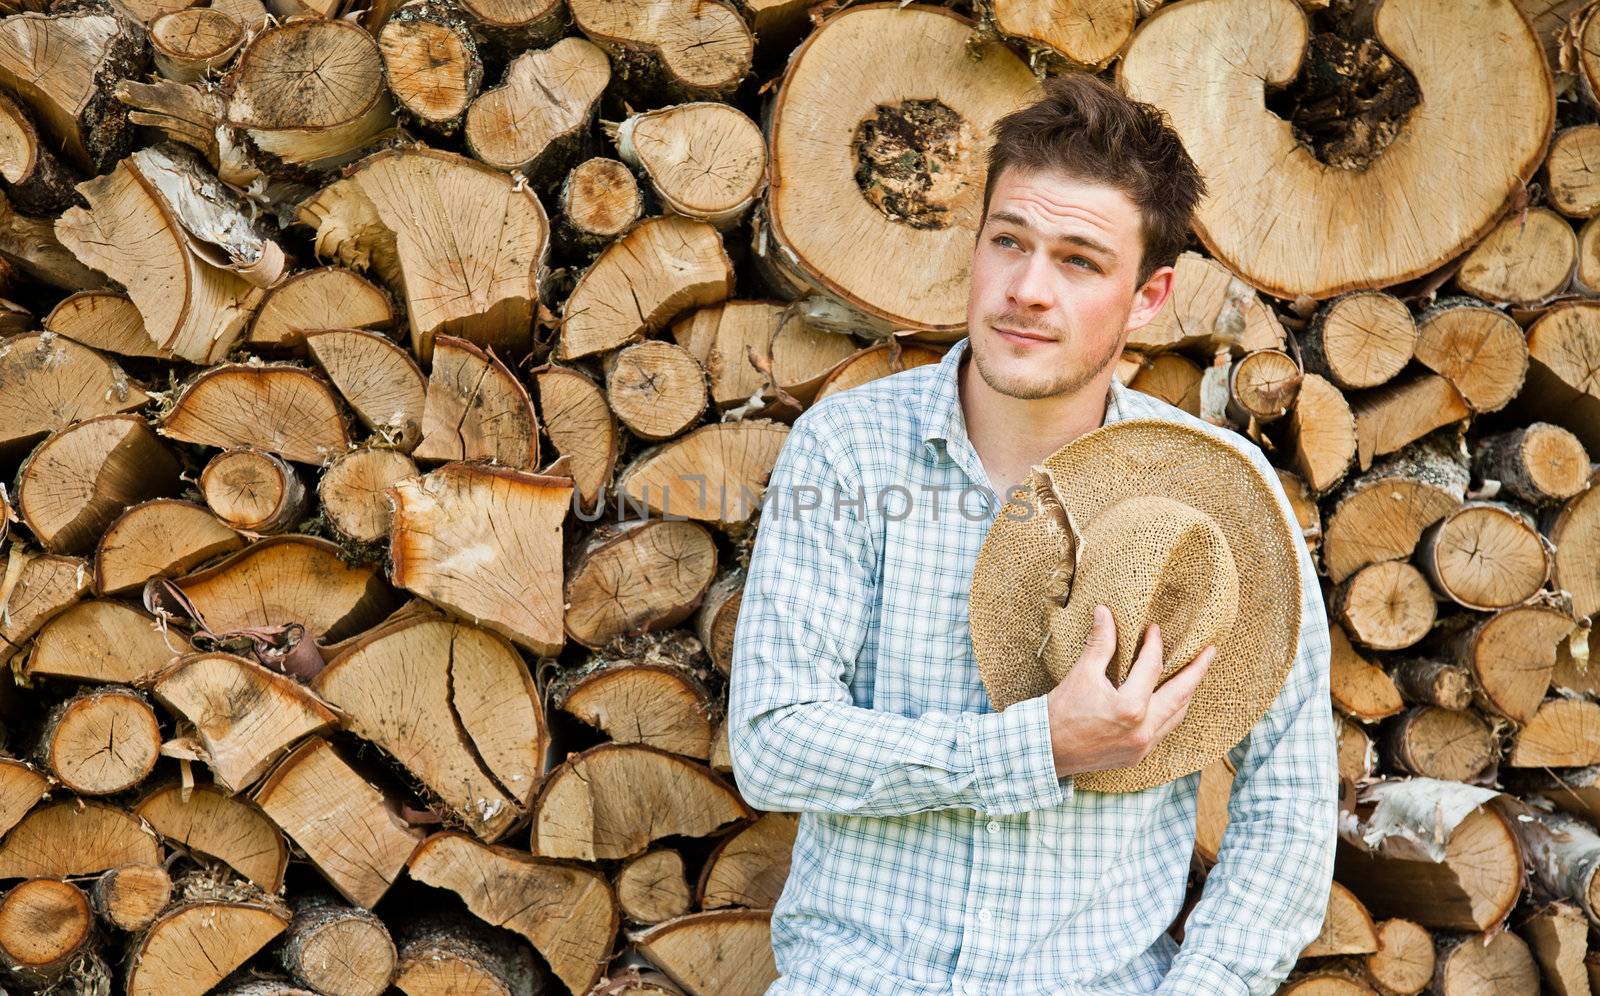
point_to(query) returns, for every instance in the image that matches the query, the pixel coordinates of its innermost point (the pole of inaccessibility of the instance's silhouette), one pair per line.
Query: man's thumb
(1102, 642)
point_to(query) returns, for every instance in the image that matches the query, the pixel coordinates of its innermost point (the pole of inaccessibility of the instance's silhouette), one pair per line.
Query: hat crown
(1149, 559)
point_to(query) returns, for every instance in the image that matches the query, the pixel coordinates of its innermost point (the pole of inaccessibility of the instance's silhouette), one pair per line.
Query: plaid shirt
(937, 851)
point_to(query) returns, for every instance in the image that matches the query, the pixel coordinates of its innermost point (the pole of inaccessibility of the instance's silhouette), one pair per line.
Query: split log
(1360, 339)
(1335, 979)
(722, 338)
(207, 820)
(1211, 811)
(1539, 464)
(651, 886)
(1386, 606)
(1510, 656)
(638, 576)
(1485, 963)
(348, 829)
(253, 491)
(1321, 434)
(614, 800)
(582, 427)
(244, 716)
(717, 616)
(1263, 385)
(48, 383)
(34, 179)
(1559, 937)
(1439, 743)
(511, 583)
(279, 409)
(719, 951)
(382, 383)
(43, 588)
(100, 742)
(1209, 309)
(79, 479)
(44, 924)
(21, 786)
(1525, 260)
(352, 491)
(869, 364)
(193, 43)
(518, 23)
(476, 409)
(1575, 531)
(29, 246)
(130, 897)
(75, 837)
(1360, 689)
(749, 866)
(630, 290)
(103, 320)
(538, 121)
(442, 956)
(1485, 556)
(1564, 854)
(657, 389)
(1173, 378)
(1478, 349)
(1347, 927)
(804, 358)
(194, 945)
(329, 297)
(713, 474)
(598, 201)
(1587, 278)
(431, 62)
(1381, 514)
(1563, 383)
(455, 706)
(62, 67)
(1082, 35)
(566, 912)
(1358, 758)
(162, 537)
(1574, 187)
(655, 700)
(339, 950)
(704, 160)
(1389, 418)
(1404, 961)
(687, 49)
(1423, 681)
(1564, 733)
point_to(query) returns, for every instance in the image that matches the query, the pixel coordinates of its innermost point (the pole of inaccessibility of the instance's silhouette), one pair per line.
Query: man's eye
(998, 239)
(1083, 262)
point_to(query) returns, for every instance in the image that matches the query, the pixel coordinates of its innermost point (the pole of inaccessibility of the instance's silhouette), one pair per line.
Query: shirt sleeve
(796, 739)
(1265, 898)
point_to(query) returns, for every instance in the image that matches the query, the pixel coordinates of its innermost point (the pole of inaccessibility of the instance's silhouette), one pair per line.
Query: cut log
(869, 364)
(1209, 309)
(704, 160)
(656, 701)
(21, 786)
(253, 491)
(47, 383)
(1360, 689)
(1318, 228)
(352, 491)
(749, 866)
(1575, 531)
(29, 247)
(445, 956)
(1389, 418)
(284, 579)
(44, 587)
(455, 706)
(310, 92)
(193, 946)
(192, 43)
(431, 62)
(343, 824)
(33, 178)
(581, 426)
(662, 267)
(566, 912)
(689, 50)
(1347, 927)
(1358, 758)
(1559, 937)
(651, 886)
(1403, 963)
(657, 389)
(537, 123)
(1564, 854)
(1479, 350)
(62, 66)
(1173, 378)
(1485, 963)
(1485, 556)
(476, 409)
(163, 537)
(717, 616)
(599, 200)
(636, 577)
(1564, 733)
(143, 228)
(44, 924)
(1385, 606)
(1359, 340)
(1527, 259)
(244, 716)
(75, 837)
(1574, 185)
(1085, 34)
(80, 478)
(1540, 464)
(103, 320)
(280, 409)
(1423, 681)
(1441, 853)
(329, 297)
(339, 950)
(1263, 385)
(445, 546)
(379, 379)
(804, 358)
(207, 820)
(1337, 978)
(100, 742)
(722, 337)
(1587, 279)
(518, 23)
(1381, 514)
(130, 897)
(714, 474)
(1510, 656)
(1439, 743)
(614, 800)
(1321, 434)
(1563, 383)
(720, 951)
(461, 239)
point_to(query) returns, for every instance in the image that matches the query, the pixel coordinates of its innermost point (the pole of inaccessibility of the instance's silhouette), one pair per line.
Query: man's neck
(1010, 434)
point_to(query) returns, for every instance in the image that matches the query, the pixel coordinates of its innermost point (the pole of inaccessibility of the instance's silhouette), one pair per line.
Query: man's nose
(1030, 285)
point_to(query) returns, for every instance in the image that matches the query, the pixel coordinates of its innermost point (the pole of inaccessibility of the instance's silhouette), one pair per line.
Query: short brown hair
(1090, 130)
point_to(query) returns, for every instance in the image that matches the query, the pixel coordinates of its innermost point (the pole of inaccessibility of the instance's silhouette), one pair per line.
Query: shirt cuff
(1194, 974)
(1014, 765)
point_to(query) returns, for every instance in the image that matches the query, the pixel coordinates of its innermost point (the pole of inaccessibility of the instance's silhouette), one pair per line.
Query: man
(942, 847)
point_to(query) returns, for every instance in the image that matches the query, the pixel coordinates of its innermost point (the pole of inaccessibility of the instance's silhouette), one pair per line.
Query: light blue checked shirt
(937, 851)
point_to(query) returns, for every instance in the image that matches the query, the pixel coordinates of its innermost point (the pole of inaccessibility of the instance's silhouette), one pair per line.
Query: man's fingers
(1146, 666)
(1177, 690)
(1102, 642)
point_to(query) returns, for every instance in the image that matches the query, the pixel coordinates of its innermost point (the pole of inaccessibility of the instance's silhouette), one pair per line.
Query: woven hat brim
(1124, 460)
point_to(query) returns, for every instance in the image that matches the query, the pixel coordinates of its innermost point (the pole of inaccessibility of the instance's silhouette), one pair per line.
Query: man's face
(1054, 284)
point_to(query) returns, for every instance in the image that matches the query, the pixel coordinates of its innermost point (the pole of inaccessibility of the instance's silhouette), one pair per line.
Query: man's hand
(1096, 725)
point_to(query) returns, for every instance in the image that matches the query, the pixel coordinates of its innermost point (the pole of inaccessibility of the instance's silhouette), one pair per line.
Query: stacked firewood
(387, 394)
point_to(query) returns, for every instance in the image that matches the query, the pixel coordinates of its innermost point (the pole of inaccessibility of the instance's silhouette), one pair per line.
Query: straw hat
(1161, 523)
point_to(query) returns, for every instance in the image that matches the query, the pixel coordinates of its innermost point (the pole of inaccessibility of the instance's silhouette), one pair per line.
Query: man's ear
(1149, 298)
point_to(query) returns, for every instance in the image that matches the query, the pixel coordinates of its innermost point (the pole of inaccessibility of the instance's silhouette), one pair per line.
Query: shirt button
(985, 915)
(994, 826)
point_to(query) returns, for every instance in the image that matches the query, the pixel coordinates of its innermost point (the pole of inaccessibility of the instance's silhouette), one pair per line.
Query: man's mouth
(1020, 335)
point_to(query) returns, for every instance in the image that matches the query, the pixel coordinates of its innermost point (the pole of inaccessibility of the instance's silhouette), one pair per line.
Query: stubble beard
(1030, 389)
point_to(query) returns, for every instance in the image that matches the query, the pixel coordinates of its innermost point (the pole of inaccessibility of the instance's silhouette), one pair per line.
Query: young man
(942, 847)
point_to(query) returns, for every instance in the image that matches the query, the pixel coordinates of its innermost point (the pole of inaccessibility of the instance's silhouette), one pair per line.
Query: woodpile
(387, 393)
